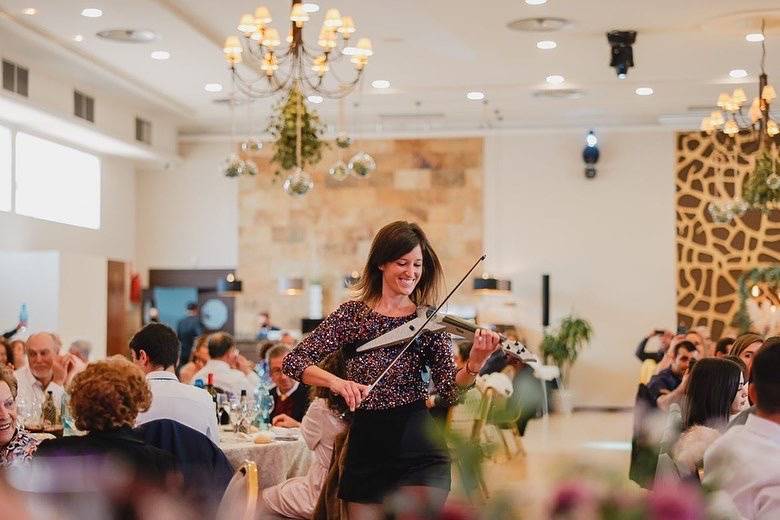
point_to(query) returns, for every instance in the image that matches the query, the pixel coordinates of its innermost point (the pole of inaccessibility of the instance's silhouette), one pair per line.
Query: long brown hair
(391, 243)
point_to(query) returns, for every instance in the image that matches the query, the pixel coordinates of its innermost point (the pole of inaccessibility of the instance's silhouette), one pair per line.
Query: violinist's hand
(352, 392)
(485, 343)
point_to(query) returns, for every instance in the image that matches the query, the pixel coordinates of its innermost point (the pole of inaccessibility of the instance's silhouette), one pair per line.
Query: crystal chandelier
(730, 119)
(268, 68)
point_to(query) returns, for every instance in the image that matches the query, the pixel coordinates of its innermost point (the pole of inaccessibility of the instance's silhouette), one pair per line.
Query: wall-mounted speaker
(545, 300)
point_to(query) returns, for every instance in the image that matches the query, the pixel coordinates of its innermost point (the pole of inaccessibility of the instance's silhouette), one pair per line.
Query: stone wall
(326, 234)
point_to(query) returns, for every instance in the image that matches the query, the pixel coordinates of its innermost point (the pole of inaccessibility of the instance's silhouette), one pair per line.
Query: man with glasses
(291, 398)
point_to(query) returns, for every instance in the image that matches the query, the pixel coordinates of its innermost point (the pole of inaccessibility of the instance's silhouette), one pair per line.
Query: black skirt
(391, 448)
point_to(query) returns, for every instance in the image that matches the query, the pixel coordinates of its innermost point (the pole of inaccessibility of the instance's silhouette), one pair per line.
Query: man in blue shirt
(188, 329)
(666, 386)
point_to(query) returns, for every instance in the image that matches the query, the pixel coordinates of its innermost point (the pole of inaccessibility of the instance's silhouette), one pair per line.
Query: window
(143, 130)
(83, 106)
(5, 169)
(15, 78)
(57, 183)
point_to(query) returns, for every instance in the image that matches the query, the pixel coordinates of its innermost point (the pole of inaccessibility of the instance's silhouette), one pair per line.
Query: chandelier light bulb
(546, 45)
(271, 38)
(232, 50)
(768, 94)
(333, 19)
(738, 96)
(262, 15)
(731, 128)
(738, 73)
(706, 125)
(772, 129)
(247, 24)
(723, 100)
(347, 27)
(754, 37)
(299, 15)
(716, 118)
(365, 48)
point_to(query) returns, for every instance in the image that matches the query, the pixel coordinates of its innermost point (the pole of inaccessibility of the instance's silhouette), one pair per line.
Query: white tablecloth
(276, 462)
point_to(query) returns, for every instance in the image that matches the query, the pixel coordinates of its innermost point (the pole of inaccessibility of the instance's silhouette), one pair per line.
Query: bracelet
(468, 370)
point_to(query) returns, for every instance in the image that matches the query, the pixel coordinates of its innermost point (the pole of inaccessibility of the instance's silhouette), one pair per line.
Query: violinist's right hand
(352, 392)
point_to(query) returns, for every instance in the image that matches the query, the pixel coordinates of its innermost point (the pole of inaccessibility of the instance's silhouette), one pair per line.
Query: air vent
(15, 78)
(143, 131)
(128, 35)
(83, 106)
(539, 24)
(559, 93)
(411, 116)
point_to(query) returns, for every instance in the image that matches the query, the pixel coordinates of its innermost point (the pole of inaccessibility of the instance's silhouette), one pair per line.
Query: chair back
(241, 496)
(204, 466)
(647, 371)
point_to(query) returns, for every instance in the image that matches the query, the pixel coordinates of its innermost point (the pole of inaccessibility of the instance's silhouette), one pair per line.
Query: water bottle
(68, 424)
(264, 403)
(23, 317)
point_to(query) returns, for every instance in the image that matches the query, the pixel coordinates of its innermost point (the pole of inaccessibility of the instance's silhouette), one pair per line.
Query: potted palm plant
(561, 347)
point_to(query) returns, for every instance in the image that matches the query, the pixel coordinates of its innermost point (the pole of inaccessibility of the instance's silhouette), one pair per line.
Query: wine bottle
(49, 412)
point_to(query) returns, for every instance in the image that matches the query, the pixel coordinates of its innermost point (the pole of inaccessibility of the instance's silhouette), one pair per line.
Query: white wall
(188, 216)
(608, 243)
(83, 301)
(31, 278)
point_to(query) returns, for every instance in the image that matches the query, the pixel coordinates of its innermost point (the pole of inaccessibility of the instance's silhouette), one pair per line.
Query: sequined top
(352, 325)
(20, 449)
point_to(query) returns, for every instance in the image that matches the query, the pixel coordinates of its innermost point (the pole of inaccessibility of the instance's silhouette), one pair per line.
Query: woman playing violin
(389, 447)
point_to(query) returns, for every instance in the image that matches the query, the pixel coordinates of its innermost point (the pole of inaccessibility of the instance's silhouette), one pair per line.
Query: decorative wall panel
(712, 256)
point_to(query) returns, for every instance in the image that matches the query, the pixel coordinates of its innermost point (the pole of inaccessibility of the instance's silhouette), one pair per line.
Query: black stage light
(622, 55)
(591, 154)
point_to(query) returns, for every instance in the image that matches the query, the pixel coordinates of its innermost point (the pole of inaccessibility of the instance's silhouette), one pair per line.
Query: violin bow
(422, 328)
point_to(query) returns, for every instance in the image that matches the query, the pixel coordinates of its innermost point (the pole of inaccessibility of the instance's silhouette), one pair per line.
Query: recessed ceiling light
(311, 7)
(738, 73)
(91, 12)
(754, 37)
(555, 79)
(546, 45)
(160, 55)
(535, 2)
(315, 99)
(78, 38)
(380, 83)
(644, 91)
(29, 11)
(213, 87)
(475, 95)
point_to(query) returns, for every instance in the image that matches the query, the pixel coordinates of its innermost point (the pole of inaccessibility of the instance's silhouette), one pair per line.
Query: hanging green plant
(762, 187)
(766, 275)
(282, 126)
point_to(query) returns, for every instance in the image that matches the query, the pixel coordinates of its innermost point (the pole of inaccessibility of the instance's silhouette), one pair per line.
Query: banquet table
(276, 461)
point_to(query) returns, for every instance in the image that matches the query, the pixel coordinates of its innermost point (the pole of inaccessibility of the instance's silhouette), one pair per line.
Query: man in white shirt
(44, 372)
(155, 348)
(232, 372)
(745, 461)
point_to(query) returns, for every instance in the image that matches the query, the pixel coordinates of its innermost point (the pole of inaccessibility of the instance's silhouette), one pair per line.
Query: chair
(205, 468)
(644, 451)
(647, 371)
(242, 494)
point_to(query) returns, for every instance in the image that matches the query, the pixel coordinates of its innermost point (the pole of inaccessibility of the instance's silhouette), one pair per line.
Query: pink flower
(571, 497)
(675, 500)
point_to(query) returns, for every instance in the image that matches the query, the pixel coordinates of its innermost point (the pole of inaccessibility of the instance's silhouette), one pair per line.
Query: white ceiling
(433, 52)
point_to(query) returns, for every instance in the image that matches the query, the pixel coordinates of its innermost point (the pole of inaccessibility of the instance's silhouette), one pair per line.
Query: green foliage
(283, 127)
(767, 275)
(756, 191)
(563, 346)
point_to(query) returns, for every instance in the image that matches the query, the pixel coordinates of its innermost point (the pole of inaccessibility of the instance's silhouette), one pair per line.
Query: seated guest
(198, 359)
(19, 354)
(81, 348)
(723, 347)
(746, 346)
(743, 462)
(291, 398)
(232, 372)
(155, 349)
(16, 445)
(324, 420)
(6, 354)
(189, 328)
(715, 391)
(666, 386)
(105, 401)
(664, 339)
(44, 371)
